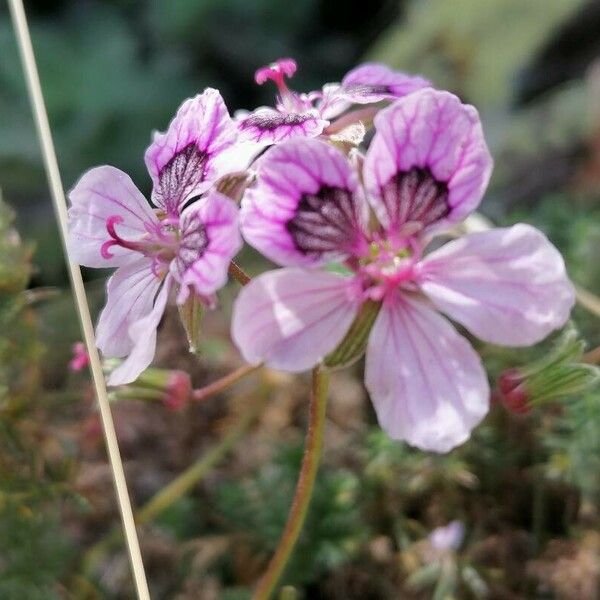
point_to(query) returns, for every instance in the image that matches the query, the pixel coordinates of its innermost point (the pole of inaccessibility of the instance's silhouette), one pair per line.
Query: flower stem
(237, 273)
(304, 488)
(184, 482)
(587, 300)
(224, 382)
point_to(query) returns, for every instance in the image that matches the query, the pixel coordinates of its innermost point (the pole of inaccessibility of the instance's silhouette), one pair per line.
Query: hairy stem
(304, 488)
(224, 382)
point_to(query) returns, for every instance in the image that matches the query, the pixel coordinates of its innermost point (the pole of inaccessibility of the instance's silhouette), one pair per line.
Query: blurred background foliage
(526, 487)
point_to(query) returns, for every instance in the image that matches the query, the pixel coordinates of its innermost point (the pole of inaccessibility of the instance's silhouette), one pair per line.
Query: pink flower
(307, 115)
(80, 358)
(426, 169)
(181, 244)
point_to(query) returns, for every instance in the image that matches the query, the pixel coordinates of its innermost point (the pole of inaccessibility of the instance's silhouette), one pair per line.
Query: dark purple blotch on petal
(180, 176)
(415, 196)
(325, 222)
(193, 244)
(365, 89)
(271, 120)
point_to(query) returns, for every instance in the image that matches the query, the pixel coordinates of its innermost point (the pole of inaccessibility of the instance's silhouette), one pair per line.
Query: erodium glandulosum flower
(307, 115)
(426, 169)
(183, 244)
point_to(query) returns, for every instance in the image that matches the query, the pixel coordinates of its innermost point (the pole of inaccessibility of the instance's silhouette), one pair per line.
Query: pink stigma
(117, 240)
(276, 72)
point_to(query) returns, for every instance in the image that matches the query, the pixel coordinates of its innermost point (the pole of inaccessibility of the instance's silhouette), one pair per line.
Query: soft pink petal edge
(507, 286)
(427, 384)
(143, 334)
(219, 214)
(291, 319)
(100, 193)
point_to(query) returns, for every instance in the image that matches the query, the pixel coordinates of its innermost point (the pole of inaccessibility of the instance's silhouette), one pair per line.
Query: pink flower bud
(178, 390)
(80, 358)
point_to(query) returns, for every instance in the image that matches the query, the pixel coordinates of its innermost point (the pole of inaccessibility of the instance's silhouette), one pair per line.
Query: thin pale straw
(60, 209)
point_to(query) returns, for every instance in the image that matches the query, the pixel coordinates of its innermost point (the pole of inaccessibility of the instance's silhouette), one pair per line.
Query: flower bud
(171, 387)
(559, 374)
(80, 359)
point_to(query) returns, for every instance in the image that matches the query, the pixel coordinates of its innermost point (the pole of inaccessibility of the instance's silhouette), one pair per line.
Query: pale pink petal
(305, 208)
(428, 162)
(143, 334)
(130, 296)
(181, 161)
(426, 382)
(372, 82)
(274, 126)
(101, 193)
(210, 238)
(290, 319)
(506, 286)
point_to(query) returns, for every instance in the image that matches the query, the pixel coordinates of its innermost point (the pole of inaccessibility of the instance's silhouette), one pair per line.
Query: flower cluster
(357, 230)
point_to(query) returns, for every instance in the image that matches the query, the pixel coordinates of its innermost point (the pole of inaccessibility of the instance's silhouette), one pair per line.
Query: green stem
(182, 484)
(304, 488)
(589, 301)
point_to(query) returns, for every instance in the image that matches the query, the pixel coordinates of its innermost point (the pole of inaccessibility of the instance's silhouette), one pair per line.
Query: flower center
(161, 242)
(389, 265)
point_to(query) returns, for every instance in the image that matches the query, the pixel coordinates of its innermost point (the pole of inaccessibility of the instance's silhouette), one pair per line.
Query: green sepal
(354, 344)
(190, 314)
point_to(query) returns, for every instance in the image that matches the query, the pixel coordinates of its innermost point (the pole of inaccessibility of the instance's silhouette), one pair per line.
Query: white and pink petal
(305, 207)
(427, 383)
(181, 161)
(210, 238)
(105, 195)
(130, 296)
(373, 82)
(291, 319)
(142, 332)
(507, 286)
(428, 162)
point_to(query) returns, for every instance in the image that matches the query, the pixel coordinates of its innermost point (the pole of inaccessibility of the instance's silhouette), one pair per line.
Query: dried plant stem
(237, 273)
(224, 382)
(183, 483)
(60, 209)
(589, 301)
(304, 488)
